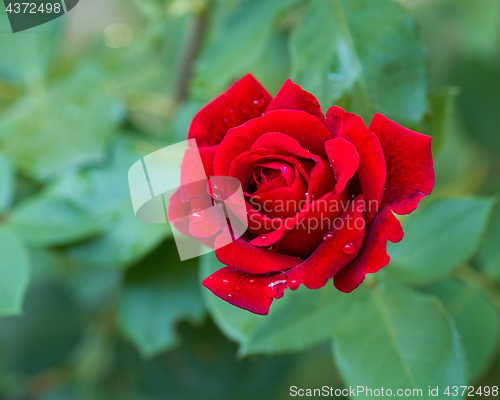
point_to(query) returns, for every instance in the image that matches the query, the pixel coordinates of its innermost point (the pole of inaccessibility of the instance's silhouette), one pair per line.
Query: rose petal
(301, 126)
(178, 213)
(373, 255)
(410, 177)
(331, 255)
(189, 171)
(293, 97)
(244, 100)
(248, 258)
(279, 142)
(255, 292)
(344, 159)
(410, 170)
(372, 166)
(241, 289)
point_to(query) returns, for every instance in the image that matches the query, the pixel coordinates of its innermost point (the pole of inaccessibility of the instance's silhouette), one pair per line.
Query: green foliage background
(96, 305)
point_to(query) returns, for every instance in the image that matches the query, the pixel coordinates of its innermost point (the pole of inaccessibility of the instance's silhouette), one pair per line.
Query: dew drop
(263, 237)
(273, 248)
(197, 216)
(328, 236)
(271, 291)
(251, 281)
(293, 284)
(225, 120)
(226, 282)
(230, 297)
(349, 248)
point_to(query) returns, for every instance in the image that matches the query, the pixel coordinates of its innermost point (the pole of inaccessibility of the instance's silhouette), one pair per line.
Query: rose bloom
(320, 192)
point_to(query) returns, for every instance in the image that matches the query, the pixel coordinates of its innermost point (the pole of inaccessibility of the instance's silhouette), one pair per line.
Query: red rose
(320, 192)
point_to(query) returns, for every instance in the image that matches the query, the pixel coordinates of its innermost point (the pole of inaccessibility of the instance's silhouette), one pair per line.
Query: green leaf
(6, 183)
(299, 320)
(398, 339)
(155, 296)
(236, 42)
(44, 221)
(46, 336)
(63, 126)
(236, 323)
(14, 272)
(104, 193)
(489, 253)
(437, 122)
(477, 321)
(438, 238)
(363, 55)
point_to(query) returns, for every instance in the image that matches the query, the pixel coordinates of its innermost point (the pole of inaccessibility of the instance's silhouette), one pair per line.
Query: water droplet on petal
(293, 284)
(226, 282)
(197, 216)
(349, 248)
(263, 238)
(328, 236)
(251, 281)
(271, 291)
(273, 248)
(230, 297)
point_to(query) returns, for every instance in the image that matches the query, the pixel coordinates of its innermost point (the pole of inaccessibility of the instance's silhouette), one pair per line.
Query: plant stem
(186, 67)
(475, 279)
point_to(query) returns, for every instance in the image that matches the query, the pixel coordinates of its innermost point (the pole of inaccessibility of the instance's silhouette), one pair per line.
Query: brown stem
(189, 56)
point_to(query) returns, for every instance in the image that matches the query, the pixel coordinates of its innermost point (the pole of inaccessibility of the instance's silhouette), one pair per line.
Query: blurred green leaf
(104, 193)
(363, 55)
(478, 102)
(437, 121)
(47, 333)
(273, 67)
(158, 293)
(44, 221)
(14, 272)
(236, 43)
(489, 252)
(60, 127)
(398, 339)
(477, 320)
(480, 24)
(299, 320)
(438, 238)
(27, 57)
(6, 183)
(233, 321)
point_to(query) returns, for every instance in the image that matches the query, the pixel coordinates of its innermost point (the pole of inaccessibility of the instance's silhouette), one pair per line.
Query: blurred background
(96, 305)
